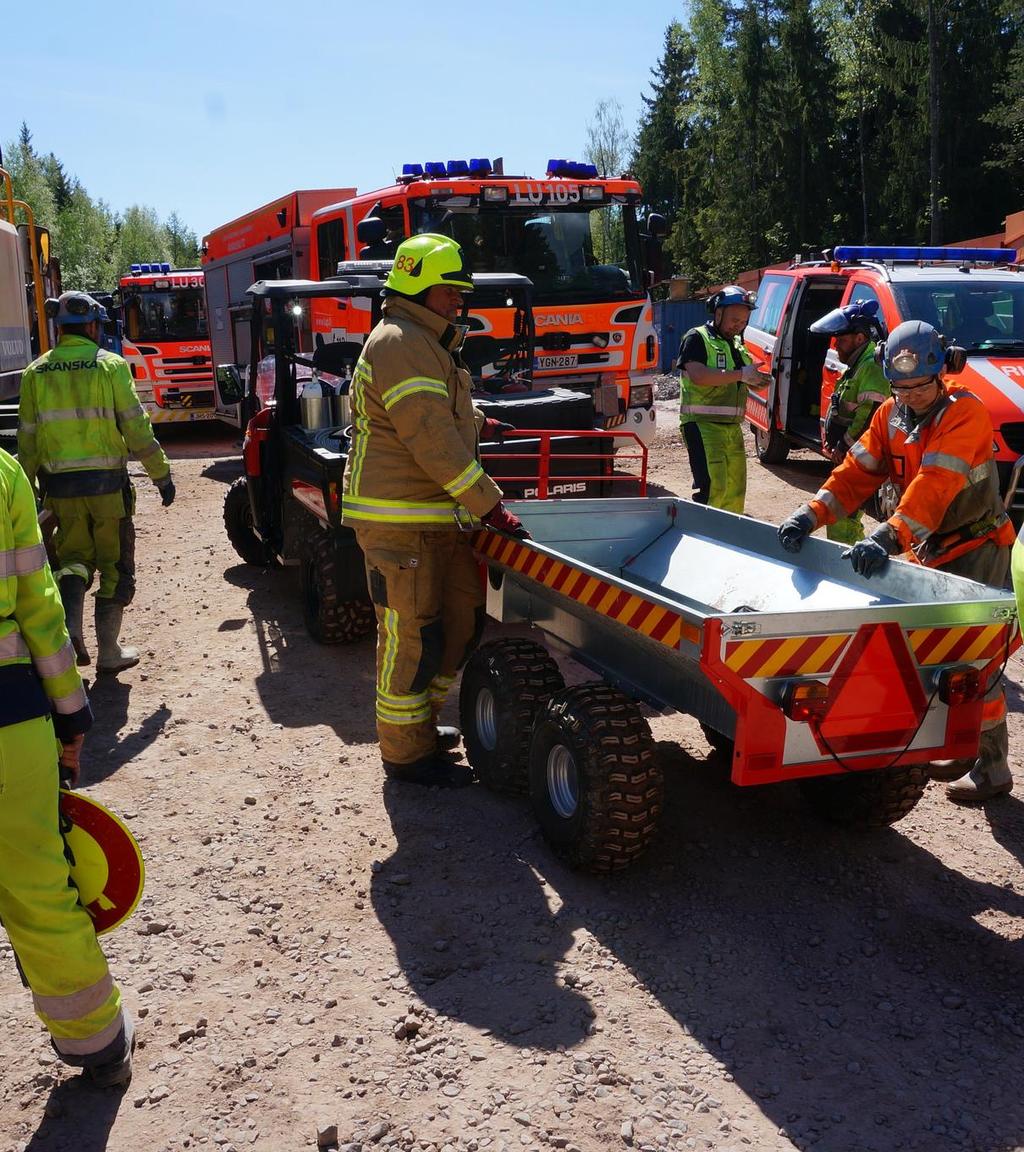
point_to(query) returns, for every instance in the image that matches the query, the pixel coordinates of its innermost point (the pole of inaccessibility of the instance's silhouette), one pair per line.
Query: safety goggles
(906, 388)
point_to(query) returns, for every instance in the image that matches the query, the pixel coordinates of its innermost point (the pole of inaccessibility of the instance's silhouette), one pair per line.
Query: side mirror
(229, 384)
(657, 226)
(371, 230)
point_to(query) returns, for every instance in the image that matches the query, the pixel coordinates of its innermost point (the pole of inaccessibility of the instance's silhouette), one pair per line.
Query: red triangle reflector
(875, 696)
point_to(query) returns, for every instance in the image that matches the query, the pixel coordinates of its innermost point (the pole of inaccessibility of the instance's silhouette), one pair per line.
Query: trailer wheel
(595, 785)
(866, 800)
(504, 686)
(771, 446)
(239, 524)
(335, 611)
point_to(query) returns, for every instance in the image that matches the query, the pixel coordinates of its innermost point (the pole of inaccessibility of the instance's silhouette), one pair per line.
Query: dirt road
(317, 950)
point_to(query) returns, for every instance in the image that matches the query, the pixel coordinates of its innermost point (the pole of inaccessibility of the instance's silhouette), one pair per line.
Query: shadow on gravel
(223, 471)
(1006, 821)
(78, 1118)
(848, 984)
(804, 475)
(299, 682)
(106, 749)
(476, 935)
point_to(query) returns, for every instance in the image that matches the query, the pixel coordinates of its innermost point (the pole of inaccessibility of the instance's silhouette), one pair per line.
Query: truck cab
(973, 296)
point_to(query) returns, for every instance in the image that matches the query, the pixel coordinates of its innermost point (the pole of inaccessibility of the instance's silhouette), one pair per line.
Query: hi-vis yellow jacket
(79, 419)
(38, 675)
(413, 457)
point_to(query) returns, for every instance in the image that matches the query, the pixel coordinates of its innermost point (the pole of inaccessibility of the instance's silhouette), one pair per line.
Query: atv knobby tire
(866, 800)
(335, 603)
(504, 686)
(595, 786)
(239, 524)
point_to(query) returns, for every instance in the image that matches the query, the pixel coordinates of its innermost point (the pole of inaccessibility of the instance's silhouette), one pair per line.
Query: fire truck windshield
(155, 314)
(572, 253)
(979, 315)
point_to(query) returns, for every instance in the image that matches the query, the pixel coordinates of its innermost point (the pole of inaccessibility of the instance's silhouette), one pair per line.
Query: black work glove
(167, 492)
(495, 429)
(871, 555)
(794, 531)
(502, 520)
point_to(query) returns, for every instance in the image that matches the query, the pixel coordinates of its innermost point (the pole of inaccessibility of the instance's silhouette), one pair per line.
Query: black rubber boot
(72, 594)
(432, 771)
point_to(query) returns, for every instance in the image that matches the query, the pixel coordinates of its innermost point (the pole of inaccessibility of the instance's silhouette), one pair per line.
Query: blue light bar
(480, 167)
(573, 169)
(145, 268)
(136, 269)
(413, 170)
(847, 252)
(165, 268)
(436, 168)
(458, 168)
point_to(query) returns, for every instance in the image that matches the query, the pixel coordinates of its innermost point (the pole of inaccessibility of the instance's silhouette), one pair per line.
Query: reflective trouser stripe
(426, 591)
(50, 931)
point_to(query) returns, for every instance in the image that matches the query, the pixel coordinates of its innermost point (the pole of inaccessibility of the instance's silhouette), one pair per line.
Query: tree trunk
(934, 125)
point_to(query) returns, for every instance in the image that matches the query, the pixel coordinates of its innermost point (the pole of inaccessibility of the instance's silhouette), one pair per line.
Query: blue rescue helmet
(859, 316)
(75, 308)
(912, 349)
(731, 294)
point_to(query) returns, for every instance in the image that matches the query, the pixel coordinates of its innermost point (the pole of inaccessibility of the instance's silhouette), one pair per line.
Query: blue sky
(212, 110)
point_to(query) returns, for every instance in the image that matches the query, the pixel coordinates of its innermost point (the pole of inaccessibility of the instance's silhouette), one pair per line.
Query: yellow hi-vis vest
(723, 403)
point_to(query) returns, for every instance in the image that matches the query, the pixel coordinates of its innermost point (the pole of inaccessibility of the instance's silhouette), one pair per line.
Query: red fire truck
(166, 341)
(594, 326)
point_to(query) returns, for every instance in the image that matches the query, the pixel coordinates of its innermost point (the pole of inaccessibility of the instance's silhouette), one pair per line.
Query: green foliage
(94, 243)
(781, 126)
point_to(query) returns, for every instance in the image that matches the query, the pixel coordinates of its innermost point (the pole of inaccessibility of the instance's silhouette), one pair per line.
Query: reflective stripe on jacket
(79, 412)
(720, 403)
(413, 458)
(32, 632)
(943, 468)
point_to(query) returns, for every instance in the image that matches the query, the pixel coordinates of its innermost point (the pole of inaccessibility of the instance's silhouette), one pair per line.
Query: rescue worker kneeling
(934, 442)
(42, 702)
(412, 480)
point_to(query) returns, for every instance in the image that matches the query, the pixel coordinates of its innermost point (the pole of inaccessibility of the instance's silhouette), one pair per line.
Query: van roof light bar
(846, 253)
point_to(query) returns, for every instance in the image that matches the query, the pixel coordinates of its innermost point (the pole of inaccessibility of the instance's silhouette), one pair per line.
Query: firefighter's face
(731, 320)
(847, 345)
(445, 301)
(919, 393)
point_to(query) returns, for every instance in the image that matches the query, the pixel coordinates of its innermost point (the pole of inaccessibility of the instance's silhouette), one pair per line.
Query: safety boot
(115, 1073)
(990, 775)
(111, 656)
(433, 771)
(72, 594)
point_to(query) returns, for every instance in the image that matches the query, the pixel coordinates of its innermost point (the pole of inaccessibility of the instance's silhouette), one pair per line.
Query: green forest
(769, 128)
(776, 127)
(94, 242)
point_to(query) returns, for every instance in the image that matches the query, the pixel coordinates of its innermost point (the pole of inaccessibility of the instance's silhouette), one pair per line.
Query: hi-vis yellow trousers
(426, 590)
(51, 933)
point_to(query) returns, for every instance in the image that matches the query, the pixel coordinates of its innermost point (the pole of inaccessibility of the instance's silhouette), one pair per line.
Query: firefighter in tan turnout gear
(79, 419)
(413, 482)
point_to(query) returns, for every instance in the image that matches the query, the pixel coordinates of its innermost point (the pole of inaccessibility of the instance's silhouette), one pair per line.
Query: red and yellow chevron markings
(958, 645)
(787, 656)
(635, 612)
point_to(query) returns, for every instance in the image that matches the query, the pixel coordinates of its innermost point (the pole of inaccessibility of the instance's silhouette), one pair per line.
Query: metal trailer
(796, 668)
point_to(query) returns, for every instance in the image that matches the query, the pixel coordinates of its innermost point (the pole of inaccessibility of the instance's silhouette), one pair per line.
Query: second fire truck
(167, 341)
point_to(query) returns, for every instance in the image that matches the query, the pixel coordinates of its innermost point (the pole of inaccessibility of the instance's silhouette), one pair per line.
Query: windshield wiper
(992, 345)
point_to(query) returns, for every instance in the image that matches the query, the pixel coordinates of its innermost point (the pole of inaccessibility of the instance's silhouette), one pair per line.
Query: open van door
(763, 340)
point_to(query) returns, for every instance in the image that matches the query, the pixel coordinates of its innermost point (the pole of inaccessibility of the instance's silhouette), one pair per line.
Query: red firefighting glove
(502, 520)
(495, 429)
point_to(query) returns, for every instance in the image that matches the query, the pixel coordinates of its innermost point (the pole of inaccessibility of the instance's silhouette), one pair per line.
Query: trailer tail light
(958, 685)
(641, 396)
(805, 701)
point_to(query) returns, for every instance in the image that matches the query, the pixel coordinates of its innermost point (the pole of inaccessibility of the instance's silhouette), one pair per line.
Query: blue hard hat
(860, 316)
(731, 294)
(75, 308)
(913, 349)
